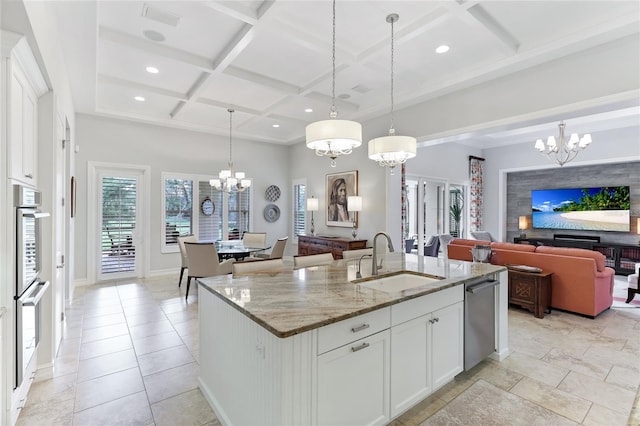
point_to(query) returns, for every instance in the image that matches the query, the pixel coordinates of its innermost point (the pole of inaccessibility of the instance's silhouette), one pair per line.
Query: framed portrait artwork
(339, 187)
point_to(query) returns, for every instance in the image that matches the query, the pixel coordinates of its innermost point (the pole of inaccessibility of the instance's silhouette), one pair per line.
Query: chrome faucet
(358, 274)
(374, 262)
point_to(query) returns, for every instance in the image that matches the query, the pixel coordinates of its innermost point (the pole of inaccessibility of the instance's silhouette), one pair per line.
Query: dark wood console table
(621, 257)
(532, 291)
(314, 244)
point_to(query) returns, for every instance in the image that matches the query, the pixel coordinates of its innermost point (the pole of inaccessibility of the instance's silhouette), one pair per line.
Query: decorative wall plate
(272, 193)
(271, 213)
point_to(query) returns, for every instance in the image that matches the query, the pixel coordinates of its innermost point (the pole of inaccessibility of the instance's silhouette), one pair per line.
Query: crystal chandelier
(389, 151)
(563, 151)
(333, 137)
(228, 180)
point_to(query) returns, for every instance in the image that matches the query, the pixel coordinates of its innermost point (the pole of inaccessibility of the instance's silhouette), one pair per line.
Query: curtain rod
(473, 157)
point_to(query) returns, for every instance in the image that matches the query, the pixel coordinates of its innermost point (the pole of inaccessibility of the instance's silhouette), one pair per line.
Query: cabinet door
(410, 378)
(447, 343)
(353, 383)
(22, 127)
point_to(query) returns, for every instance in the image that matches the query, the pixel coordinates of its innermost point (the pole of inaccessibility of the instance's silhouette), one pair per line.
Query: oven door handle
(36, 214)
(34, 300)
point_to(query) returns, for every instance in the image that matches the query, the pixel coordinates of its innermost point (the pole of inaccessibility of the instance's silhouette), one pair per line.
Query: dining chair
(240, 268)
(482, 235)
(312, 260)
(254, 239)
(432, 246)
(277, 251)
(202, 259)
(357, 253)
(183, 253)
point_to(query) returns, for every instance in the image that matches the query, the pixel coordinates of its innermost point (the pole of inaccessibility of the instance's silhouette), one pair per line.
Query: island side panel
(248, 375)
(502, 318)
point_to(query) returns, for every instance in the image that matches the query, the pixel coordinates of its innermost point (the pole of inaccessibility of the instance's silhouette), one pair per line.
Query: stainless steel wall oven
(28, 288)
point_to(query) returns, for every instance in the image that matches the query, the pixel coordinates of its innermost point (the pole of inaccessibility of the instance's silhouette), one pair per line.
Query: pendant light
(389, 151)
(229, 180)
(333, 137)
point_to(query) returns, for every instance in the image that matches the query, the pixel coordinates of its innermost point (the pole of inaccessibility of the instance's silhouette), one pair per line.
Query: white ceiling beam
(116, 81)
(482, 21)
(262, 80)
(226, 105)
(139, 43)
(236, 10)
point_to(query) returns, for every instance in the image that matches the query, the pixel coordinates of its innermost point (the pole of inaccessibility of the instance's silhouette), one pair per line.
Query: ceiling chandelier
(563, 151)
(389, 151)
(228, 180)
(333, 137)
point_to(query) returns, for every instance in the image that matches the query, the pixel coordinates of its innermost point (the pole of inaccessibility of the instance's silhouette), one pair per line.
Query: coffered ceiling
(271, 59)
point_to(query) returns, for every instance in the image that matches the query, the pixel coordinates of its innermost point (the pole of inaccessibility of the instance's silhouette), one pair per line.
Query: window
(178, 208)
(183, 195)
(299, 209)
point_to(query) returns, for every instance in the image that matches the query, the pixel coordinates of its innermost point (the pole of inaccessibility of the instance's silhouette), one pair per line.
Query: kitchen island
(318, 346)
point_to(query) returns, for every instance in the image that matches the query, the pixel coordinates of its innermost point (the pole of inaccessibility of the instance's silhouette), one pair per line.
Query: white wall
(607, 147)
(179, 151)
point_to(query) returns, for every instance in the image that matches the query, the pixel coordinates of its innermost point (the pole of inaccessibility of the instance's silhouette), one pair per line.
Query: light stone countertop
(289, 302)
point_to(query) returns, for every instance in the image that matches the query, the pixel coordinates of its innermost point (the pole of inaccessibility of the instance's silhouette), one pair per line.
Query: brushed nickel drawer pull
(359, 348)
(359, 328)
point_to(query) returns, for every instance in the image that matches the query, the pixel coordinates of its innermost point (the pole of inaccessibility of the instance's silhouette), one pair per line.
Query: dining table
(235, 249)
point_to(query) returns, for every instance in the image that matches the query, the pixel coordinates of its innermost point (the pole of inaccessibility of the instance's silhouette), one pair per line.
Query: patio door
(119, 212)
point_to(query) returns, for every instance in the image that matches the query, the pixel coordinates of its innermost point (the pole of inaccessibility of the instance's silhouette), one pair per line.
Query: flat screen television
(604, 208)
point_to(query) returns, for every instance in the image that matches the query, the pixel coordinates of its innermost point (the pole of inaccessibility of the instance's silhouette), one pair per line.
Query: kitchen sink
(400, 282)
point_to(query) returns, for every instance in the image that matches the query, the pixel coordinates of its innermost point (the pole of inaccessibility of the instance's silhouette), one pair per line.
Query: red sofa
(581, 282)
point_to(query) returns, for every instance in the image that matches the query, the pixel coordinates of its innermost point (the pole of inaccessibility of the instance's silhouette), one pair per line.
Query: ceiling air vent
(361, 88)
(159, 15)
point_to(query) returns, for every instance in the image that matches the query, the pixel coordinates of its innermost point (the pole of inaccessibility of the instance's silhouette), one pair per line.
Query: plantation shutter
(119, 195)
(299, 210)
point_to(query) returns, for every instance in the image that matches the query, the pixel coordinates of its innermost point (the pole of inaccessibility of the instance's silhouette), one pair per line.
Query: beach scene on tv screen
(586, 209)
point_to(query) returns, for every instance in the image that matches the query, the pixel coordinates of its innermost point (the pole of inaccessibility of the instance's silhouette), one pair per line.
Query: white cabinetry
(426, 346)
(23, 85)
(353, 371)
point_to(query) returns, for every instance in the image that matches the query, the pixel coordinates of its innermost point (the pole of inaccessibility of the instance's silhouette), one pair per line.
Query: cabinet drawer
(338, 334)
(419, 306)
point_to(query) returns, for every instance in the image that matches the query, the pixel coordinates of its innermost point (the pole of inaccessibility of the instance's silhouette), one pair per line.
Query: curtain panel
(476, 207)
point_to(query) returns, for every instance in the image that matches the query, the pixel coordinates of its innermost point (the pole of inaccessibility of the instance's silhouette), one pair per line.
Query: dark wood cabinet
(310, 244)
(532, 291)
(620, 257)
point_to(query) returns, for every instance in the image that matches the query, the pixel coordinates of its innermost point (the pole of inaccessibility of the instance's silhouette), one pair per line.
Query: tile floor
(130, 356)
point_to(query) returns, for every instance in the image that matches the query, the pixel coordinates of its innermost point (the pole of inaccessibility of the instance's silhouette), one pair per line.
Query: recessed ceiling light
(442, 49)
(139, 98)
(152, 70)
(153, 35)
(344, 96)
(308, 110)
(275, 125)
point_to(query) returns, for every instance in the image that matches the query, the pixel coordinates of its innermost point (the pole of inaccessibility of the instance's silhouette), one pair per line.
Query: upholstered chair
(277, 251)
(240, 268)
(203, 262)
(312, 260)
(183, 253)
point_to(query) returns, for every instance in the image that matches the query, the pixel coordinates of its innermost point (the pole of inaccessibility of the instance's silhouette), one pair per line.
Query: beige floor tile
(600, 416)
(535, 369)
(106, 364)
(131, 410)
(619, 358)
(103, 310)
(157, 342)
(492, 372)
(422, 411)
(188, 328)
(105, 346)
(99, 333)
(451, 390)
(172, 382)
(485, 404)
(560, 402)
(56, 389)
(189, 408)
(181, 316)
(108, 388)
(594, 368)
(608, 395)
(151, 329)
(624, 377)
(164, 360)
(47, 412)
(103, 320)
(145, 318)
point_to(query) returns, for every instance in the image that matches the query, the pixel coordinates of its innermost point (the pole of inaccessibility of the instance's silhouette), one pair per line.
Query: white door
(60, 216)
(119, 210)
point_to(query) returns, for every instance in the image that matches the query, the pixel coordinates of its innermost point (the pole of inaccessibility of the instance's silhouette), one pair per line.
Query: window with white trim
(299, 208)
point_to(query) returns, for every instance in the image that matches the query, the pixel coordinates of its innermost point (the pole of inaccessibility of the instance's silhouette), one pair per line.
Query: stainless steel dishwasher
(479, 320)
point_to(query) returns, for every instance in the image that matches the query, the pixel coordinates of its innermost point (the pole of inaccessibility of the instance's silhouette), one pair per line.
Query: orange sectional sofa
(581, 282)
